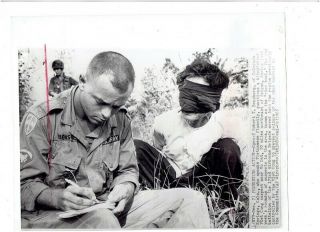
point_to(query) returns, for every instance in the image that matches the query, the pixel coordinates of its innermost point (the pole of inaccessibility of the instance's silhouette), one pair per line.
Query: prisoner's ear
(82, 81)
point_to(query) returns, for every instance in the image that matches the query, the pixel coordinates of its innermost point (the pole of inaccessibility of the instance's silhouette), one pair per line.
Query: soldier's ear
(82, 81)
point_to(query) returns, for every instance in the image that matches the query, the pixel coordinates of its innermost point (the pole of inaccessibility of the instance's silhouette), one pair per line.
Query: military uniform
(53, 148)
(59, 84)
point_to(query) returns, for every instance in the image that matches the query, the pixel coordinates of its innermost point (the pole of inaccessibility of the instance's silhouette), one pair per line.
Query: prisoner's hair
(115, 64)
(210, 72)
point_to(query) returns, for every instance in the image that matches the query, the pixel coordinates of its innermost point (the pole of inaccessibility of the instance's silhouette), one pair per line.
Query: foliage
(207, 55)
(159, 95)
(239, 76)
(25, 69)
(224, 215)
(65, 55)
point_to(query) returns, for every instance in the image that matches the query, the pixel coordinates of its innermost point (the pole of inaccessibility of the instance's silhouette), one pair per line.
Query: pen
(72, 183)
(77, 186)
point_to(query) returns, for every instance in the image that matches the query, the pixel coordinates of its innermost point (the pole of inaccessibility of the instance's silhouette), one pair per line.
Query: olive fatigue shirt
(58, 85)
(100, 160)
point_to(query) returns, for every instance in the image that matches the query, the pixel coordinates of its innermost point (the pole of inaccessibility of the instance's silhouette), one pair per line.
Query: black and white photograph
(165, 115)
(188, 136)
(150, 121)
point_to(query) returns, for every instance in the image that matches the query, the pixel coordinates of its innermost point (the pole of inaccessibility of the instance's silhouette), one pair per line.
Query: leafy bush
(160, 94)
(25, 69)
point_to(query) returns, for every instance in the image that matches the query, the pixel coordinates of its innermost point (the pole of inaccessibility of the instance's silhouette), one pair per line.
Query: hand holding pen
(75, 197)
(88, 190)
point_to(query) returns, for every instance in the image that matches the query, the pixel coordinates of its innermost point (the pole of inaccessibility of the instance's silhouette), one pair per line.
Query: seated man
(191, 147)
(85, 136)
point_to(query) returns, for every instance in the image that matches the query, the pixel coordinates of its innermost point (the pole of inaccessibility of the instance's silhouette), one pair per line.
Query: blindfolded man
(191, 147)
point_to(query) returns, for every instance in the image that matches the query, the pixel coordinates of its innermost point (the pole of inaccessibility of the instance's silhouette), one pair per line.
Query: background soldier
(60, 81)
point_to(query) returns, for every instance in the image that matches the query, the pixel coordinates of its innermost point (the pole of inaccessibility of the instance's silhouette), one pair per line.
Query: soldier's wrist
(50, 197)
(131, 186)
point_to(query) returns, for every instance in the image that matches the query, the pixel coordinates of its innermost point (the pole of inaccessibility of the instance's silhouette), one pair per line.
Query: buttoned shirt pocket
(64, 163)
(110, 163)
(108, 174)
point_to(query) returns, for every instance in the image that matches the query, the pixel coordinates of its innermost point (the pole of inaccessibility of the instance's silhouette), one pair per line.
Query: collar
(68, 114)
(62, 75)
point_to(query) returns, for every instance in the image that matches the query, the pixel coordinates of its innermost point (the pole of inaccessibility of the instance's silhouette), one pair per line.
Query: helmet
(57, 64)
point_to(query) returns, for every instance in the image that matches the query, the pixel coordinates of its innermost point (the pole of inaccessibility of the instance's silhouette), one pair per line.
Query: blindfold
(197, 98)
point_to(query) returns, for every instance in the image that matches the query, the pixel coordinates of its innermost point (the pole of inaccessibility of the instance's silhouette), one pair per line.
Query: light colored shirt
(184, 145)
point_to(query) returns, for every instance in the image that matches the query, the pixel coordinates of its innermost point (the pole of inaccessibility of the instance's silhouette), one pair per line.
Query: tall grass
(223, 214)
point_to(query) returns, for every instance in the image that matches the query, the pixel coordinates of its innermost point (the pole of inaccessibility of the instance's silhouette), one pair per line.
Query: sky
(77, 60)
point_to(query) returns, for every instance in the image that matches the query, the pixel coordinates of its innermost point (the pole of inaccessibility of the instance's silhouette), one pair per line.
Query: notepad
(73, 213)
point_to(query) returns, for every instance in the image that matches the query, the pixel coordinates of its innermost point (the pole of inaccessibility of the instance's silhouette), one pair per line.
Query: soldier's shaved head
(112, 64)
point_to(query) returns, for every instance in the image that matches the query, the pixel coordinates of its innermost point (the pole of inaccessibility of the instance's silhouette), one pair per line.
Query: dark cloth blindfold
(197, 98)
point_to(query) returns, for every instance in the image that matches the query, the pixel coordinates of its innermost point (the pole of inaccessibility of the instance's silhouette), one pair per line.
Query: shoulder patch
(30, 123)
(25, 157)
(40, 110)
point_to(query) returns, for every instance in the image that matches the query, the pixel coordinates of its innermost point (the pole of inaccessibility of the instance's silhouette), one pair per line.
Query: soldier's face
(100, 100)
(58, 71)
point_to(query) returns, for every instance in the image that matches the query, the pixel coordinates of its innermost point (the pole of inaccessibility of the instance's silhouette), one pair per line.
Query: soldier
(86, 137)
(60, 81)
